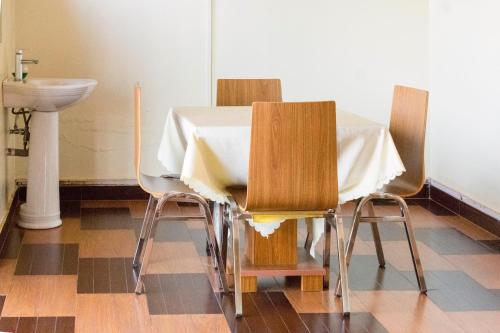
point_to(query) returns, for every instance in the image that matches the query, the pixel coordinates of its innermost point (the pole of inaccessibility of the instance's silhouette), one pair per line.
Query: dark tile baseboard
(465, 210)
(96, 192)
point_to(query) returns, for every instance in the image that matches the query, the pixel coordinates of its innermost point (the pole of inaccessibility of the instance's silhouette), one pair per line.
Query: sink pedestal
(41, 210)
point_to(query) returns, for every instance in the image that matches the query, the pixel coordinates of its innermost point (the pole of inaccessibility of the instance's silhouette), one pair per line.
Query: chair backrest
(137, 131)
(243, 92)
(408, 123)
(293, 157)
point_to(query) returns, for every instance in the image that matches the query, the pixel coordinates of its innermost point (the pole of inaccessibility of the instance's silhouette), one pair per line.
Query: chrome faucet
(18, 76)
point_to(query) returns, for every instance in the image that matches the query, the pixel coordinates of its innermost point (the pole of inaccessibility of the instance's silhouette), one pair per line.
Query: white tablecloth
(209, 147)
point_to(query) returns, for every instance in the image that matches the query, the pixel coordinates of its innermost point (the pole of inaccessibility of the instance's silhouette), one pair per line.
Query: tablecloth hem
(363, 193)
(204, 190)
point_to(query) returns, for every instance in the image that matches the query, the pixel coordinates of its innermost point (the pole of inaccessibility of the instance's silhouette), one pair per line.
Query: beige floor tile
(406, 312)
(484, 268)
(7, 268)
(398, 254)
(69, 232)
(41, 295)
(320, 302)
(137, 208)
(468, 228)
(107, 243)
(475, 321)
(190, 323)
(117, 313)
(174, 257)
(195, 224)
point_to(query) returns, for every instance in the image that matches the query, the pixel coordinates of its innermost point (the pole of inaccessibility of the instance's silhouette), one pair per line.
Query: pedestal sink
(45, 97)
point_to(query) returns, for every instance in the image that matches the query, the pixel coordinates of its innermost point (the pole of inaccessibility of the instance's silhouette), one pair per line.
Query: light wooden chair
(283, 182)
(407, 127)
(243, 92)
(162, 190)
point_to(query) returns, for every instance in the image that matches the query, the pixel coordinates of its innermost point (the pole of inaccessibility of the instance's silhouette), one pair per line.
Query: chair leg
(224, 235)
(216, 256)
(344, 282)
(326, 251)
(148, 216)
(237, 265)
(412, 242)
(351, 241)
(376, 237)
(150, 235)
(309, 238)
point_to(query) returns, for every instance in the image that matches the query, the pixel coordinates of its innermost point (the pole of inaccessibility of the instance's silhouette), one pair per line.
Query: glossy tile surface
(78, 278)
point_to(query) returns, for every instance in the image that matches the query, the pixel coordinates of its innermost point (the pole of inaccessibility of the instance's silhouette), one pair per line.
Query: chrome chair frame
(148, 230)
(403, 218)
(233, 216)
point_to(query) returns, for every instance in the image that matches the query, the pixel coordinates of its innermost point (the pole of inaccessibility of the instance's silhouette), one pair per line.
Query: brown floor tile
(320, 302)
(137, 208)
(420, 217)
(468, 228)
(26, 325)
(475, 321)
(47, 259)
(189, 323)
(116, 313)
(107, 218)
(69, 232)
(174, 257)
(32, 296)
(8, 324)
(406, 312)
(107, 243)
(46, 324)
(105, 204)
(7, 268)
(180, 294)
(485, 268)
(12, 245)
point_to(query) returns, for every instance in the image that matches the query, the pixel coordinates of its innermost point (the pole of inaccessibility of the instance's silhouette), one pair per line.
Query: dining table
(208, 148)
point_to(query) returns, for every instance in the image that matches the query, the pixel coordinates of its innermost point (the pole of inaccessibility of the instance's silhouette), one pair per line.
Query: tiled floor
(78, 278)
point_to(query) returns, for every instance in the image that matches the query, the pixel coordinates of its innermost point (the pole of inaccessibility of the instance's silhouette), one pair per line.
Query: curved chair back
(243, 92)
(137, 134)
(408, 123)
(293, 157)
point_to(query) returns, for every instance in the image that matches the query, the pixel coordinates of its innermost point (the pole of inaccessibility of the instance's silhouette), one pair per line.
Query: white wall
(7, 175)
(161, 43)
(465, 97)
(351, 51)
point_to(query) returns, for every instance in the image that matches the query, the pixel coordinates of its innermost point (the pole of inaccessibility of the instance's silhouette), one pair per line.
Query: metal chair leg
(237, 265)
(376, 237)
(309, 238)
(352, 239)
(326, 250)
(216, 256)
(344, 282)
(412, 242)
(150, 234)
(148, 217)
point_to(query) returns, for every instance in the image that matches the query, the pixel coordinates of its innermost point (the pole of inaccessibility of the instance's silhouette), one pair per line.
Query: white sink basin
(44, 97)
(44, 94)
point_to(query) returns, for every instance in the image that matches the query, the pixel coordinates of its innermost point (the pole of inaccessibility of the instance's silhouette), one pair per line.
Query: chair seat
(158, 186)
(239, 194)
(401, 187)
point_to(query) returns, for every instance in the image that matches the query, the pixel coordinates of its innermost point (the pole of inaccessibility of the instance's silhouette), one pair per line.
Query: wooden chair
(161, 191)
(283, 182)
(407, 127)
(243, 92)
